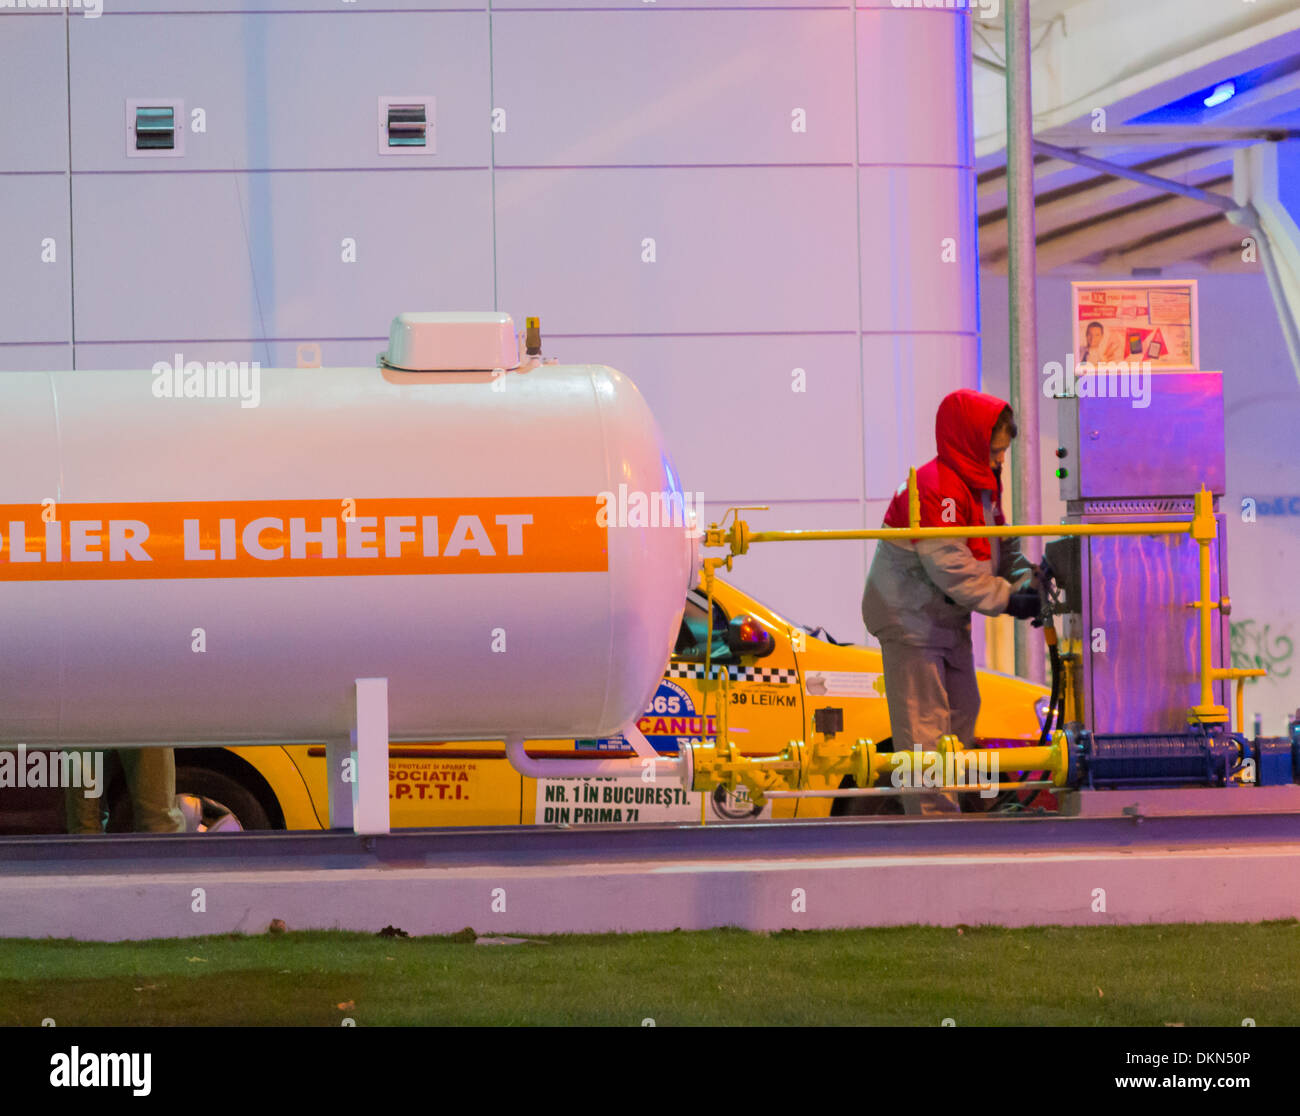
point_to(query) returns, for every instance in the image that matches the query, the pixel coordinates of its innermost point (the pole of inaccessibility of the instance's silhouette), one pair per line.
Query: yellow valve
(1203, 522)
(738, 536)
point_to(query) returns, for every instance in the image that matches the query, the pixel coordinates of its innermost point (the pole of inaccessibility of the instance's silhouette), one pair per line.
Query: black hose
(1054, 718)
(1053, 711)
(1060, 709)
(1055, 703)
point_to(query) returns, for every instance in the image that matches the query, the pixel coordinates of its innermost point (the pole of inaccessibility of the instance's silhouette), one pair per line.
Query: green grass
(1204, 974)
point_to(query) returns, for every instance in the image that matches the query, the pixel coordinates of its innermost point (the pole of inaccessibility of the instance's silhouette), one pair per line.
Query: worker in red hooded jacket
(920, 593)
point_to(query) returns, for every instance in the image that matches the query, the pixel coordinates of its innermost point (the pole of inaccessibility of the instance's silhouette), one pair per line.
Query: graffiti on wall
(1261, 645)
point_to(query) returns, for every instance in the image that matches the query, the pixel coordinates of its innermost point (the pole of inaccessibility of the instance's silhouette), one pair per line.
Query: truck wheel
(213, 802)
(727, 810)
(209, 801)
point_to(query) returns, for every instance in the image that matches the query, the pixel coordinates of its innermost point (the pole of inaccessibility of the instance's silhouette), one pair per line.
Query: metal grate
(155, 128)
(406, 126)
(1146, 505)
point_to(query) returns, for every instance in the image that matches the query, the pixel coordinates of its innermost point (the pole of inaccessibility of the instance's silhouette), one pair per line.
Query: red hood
(963, 430)
(948, 485)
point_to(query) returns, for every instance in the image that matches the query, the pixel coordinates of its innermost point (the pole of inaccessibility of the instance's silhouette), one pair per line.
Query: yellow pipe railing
(1240, 676)
(1202, 527)
(1008, 532)
(721, 764)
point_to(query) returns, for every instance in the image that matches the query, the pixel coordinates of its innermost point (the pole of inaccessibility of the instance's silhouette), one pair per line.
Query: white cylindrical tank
(181, 565)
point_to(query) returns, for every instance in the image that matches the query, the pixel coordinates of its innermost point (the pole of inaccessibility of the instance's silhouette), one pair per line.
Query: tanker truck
(349, 596)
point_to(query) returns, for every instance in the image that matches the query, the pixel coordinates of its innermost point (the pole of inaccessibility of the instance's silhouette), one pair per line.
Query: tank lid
(452, 341)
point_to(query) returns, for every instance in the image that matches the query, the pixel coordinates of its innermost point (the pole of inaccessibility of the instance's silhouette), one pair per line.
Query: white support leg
(370, 757)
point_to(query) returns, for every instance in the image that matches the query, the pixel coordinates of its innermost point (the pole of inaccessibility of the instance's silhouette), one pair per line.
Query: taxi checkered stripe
(777, 676)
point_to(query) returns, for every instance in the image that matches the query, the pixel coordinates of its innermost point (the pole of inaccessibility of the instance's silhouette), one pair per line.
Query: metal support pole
(1248, 218)
(1026, 502)
(1118, 170)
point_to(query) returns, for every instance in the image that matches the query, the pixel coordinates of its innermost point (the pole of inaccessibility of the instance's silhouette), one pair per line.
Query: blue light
(1224, 91)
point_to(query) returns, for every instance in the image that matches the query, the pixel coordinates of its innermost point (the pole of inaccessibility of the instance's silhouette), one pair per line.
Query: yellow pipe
(1207, 682)
(731, 767)
(720, 765)
(881, 792)
(1203, 530)
(1048, 757)
(1240, 675)
(1202, 527)
(1207, 665)
(1034, 758)
(1007, 532)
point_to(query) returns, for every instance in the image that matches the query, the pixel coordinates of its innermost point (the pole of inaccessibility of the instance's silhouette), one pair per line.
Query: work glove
(1025, 605)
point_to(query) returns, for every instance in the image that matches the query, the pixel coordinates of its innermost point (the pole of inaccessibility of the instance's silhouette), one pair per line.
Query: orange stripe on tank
(301, 538)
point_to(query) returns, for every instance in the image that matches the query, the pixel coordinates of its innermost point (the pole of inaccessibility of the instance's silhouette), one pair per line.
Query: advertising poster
(1136, 321)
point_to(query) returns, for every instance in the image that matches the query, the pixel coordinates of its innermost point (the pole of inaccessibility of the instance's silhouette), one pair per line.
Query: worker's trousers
(932, 692)
(150, 781)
